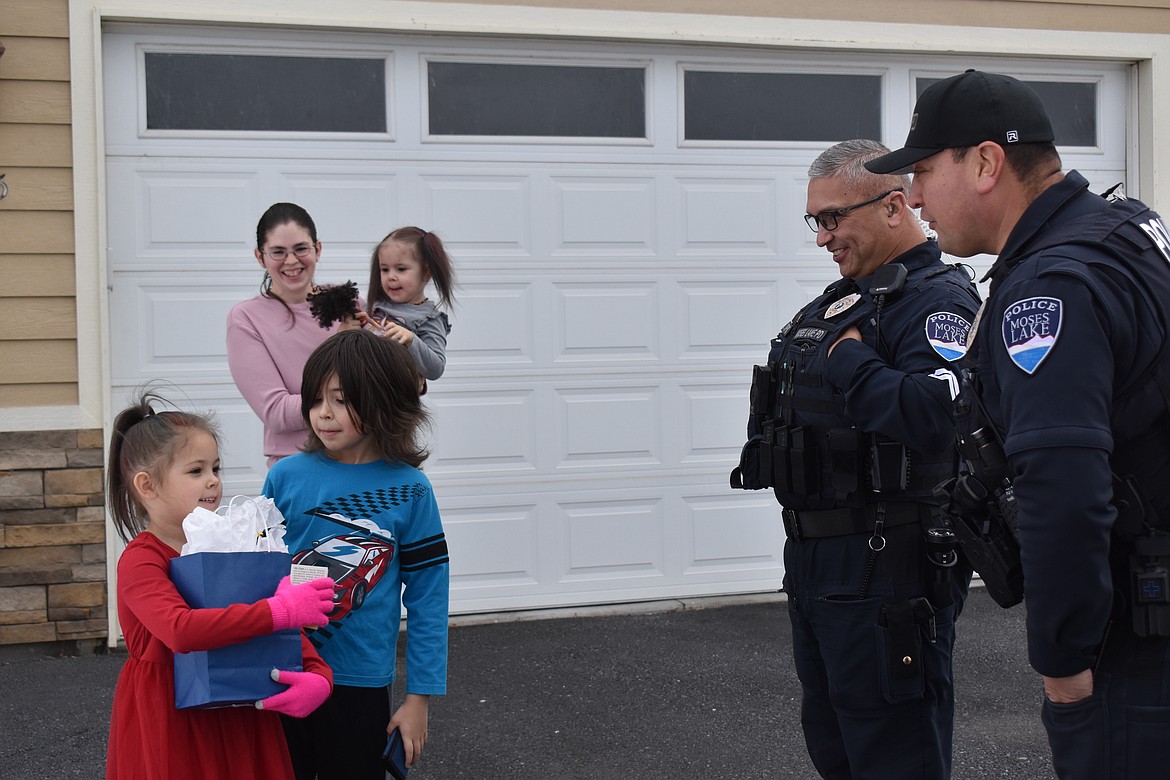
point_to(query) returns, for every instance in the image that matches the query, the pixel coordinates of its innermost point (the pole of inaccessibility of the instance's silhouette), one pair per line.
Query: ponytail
(144, 440)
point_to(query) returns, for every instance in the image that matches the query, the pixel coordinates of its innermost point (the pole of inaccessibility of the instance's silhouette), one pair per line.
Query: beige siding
(1143, 16)
(38, 361)
(37, 275)
(38, 395)
(37, 305)
(38, 319)
(39, 189)
(35, 59)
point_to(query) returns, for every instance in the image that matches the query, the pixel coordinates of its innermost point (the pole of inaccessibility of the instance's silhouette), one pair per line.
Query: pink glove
(307, 604)
(305, 693)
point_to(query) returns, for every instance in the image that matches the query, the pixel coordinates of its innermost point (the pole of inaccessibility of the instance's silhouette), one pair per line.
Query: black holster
(985, 525)
(899, 635)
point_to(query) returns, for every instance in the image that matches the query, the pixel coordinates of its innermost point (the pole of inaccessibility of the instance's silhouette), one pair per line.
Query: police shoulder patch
(1031, 327)
(947, 334)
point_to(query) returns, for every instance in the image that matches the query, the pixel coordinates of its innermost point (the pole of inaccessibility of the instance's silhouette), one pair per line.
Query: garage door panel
(733, 217)
(494, 547)
(607, 427)
(728, 319)
(504, 330)
(181, 215)
(169, 331)
(605, 216)
(484, 430)
(615, 322)
(712, 424)
(729, 534)
(192, 213)
(487, 215)
(616, 539)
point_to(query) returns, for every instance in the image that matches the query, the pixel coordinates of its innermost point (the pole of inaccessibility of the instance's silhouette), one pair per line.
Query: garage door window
(230, 92)
(533, 101)
(745, 106)
(1071, 105)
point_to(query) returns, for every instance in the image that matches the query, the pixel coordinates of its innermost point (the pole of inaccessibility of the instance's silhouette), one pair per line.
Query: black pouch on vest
(1149, 567)
(750, 474)
(889, 464)
(899, 641)
(803, 462)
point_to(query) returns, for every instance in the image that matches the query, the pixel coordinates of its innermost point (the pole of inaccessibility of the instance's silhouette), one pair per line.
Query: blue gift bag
(236, 674)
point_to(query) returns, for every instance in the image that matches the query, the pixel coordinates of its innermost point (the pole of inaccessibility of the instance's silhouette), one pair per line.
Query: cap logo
(1013, 136)
(914, 122)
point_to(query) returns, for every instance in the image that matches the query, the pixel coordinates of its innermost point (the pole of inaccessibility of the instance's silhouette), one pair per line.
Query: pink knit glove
(305, 693)
(307, 604)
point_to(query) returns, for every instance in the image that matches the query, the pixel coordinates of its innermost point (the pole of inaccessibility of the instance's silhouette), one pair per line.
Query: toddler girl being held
(400, 269)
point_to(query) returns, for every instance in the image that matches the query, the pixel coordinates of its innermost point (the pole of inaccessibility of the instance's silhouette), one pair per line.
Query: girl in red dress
(163, 465)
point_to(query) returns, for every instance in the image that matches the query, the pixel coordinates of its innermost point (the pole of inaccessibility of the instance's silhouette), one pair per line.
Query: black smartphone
(394, 756)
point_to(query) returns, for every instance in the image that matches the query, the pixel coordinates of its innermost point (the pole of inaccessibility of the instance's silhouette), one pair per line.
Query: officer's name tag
(811, 334)
(301, 574)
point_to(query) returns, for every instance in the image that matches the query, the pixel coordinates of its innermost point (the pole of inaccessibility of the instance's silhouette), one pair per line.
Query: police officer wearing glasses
(1070, 379)
(851, 427)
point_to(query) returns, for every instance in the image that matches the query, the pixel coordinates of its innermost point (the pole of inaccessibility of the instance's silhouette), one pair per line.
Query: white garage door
(626, 226)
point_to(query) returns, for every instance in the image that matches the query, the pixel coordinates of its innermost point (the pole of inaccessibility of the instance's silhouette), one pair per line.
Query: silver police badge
(841, 305)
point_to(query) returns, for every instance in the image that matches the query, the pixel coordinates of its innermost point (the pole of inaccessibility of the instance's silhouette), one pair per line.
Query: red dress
(149, 738)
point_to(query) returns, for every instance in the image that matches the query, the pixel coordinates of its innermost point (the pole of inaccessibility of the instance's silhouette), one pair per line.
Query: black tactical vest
(809, 452)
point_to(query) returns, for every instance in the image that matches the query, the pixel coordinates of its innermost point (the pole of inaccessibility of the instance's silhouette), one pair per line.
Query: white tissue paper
(242, 525)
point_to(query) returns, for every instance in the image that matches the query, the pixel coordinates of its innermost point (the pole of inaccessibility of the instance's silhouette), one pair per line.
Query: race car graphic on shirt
(361, 553)
(356, 561)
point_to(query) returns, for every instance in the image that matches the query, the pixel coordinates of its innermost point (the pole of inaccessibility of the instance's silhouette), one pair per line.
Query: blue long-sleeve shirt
(376, 527)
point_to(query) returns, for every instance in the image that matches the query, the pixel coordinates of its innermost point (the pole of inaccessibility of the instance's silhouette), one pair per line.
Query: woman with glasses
(270, 337)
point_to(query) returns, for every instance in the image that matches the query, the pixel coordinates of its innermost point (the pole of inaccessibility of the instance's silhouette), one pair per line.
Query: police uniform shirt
(1062, 329)
(904, 389)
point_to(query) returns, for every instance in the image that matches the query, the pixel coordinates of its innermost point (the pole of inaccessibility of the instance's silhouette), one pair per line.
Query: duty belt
(816, 524)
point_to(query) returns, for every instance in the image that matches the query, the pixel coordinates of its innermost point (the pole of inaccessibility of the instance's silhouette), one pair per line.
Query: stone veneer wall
(52, 539)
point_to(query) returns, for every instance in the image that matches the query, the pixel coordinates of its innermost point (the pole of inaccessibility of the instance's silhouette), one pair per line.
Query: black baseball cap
(966, 110)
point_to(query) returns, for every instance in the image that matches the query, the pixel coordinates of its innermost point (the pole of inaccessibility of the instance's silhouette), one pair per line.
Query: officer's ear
(988, 164)
(896, 203)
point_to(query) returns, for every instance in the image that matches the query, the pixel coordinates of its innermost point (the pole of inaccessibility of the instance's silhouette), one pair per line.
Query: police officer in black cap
(1071, 377)
(851, 427)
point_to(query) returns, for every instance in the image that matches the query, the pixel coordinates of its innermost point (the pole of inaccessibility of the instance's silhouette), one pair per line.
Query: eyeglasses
(279, 254)
(828, 219)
